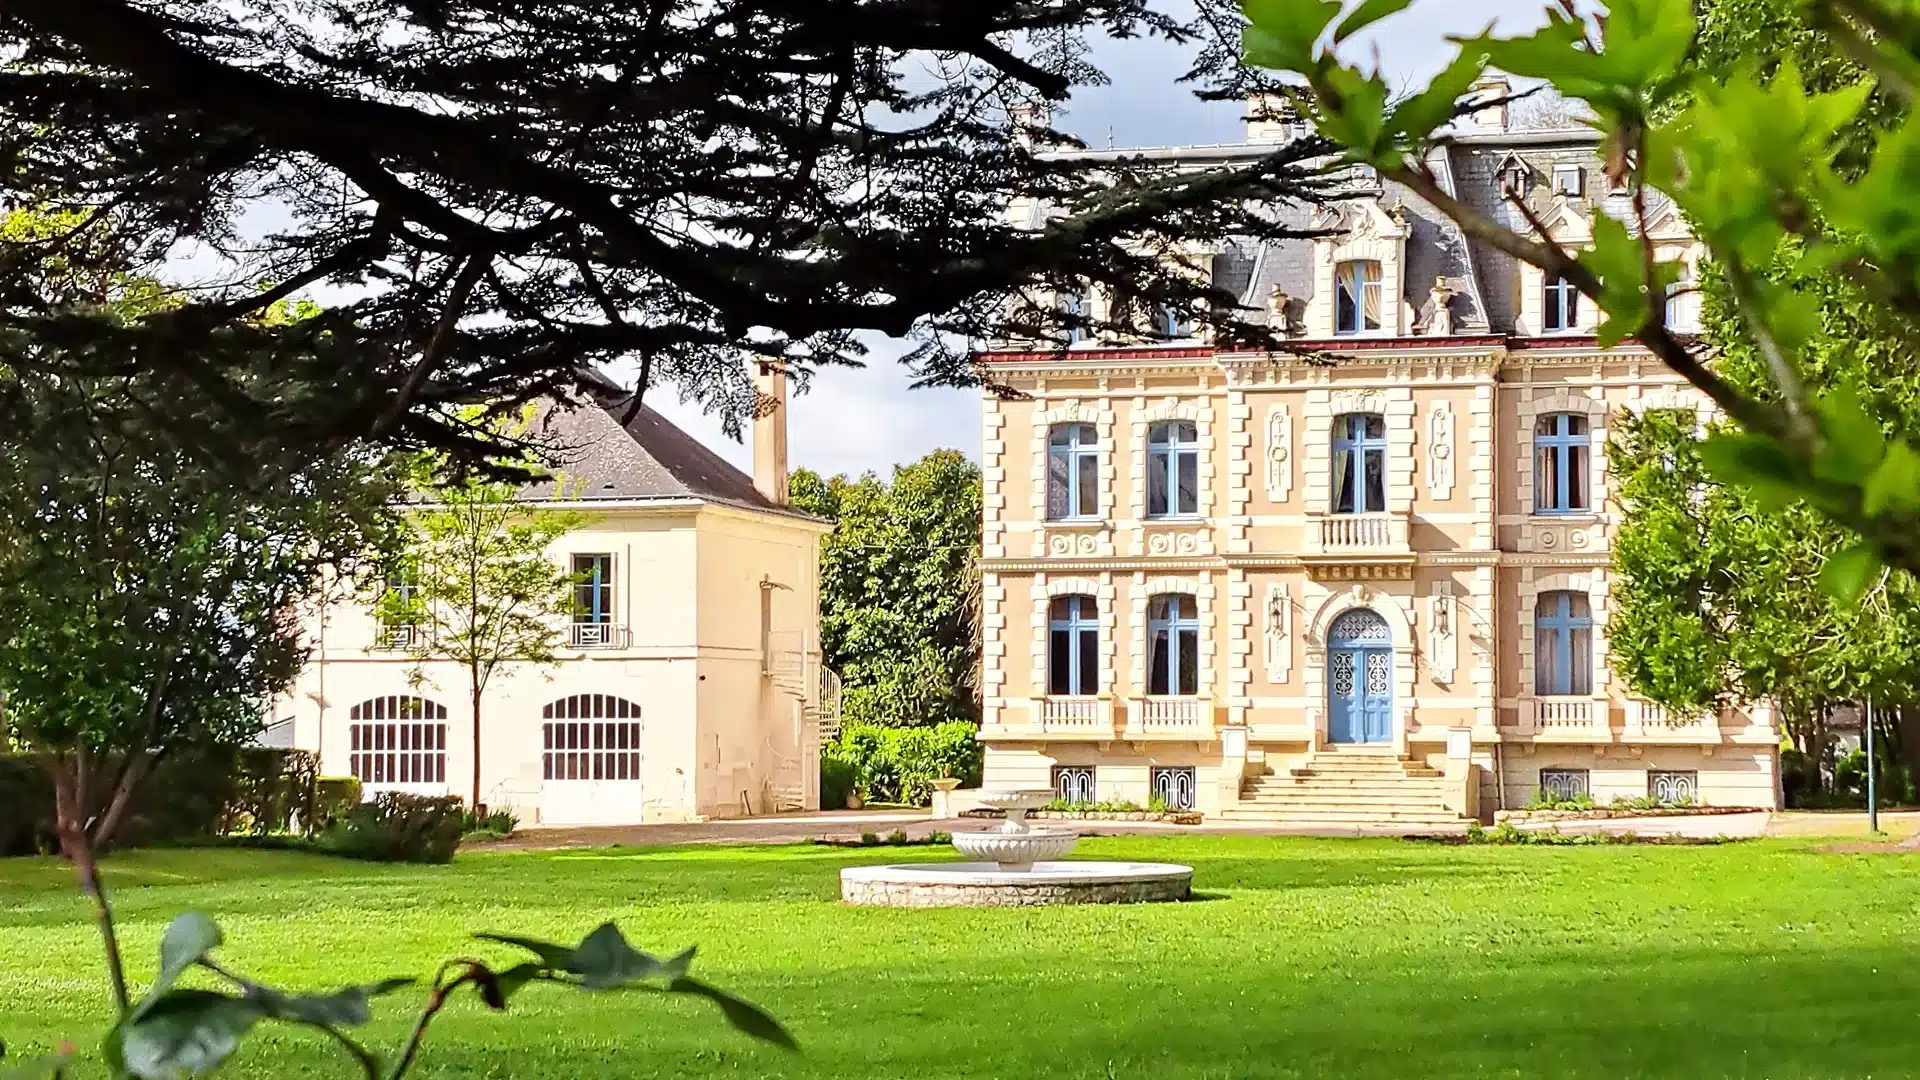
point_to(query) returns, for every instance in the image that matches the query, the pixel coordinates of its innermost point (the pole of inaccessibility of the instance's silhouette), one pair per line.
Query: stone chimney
(770, 432)
(1488, 93)
(1272, 118)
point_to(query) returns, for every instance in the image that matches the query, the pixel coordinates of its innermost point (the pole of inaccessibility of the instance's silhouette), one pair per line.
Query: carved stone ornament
(1440, 451)
(1277, 318)
(1442, 640)
(1440, 322)
(1279, 453)
(1279, 644)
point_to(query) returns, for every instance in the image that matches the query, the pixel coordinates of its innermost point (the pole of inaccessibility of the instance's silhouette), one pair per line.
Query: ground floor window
(1173, 785)
(1673, 787)
(1073, 783)
(1563, 784)
(398, 753)
(590, 750)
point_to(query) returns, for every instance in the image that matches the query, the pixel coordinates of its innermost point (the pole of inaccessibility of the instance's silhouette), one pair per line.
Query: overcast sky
(853, 421)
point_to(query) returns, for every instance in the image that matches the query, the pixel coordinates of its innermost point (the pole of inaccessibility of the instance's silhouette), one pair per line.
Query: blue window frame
(1562, 644)
(1073, 646)
(1073, 472)
(1078, 307)
(1359, 463)
(1677, 316)
(1562, 304)
(1171, 320)
(1356, 297)
(1561, 453)
(1173, 469)
(593, 589)
(1173, 645)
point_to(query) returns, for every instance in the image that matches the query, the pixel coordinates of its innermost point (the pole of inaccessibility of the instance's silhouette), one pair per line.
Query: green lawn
(1317, 958)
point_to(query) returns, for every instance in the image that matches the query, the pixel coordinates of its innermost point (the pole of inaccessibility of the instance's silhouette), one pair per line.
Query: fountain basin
(986, 884)
(1015, 850)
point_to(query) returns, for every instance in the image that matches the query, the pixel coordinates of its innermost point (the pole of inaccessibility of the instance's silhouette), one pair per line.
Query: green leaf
(605, 961)
(1848, 572)
(184, 1033)
(742, 1015)
(349, 1006)
(188, 939)
(1854, 445)
(558, 957)
(1895, 483)
(1757, 463)
(1281, 34)
(1365, 15)
(1618, 260)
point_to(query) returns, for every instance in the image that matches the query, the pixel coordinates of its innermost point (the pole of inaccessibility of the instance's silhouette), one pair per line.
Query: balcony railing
(1068, 713)
(398, 638)
(1651, 722)
(1571, 719)
(597, 635)
(1187, 717)
(1357, 534)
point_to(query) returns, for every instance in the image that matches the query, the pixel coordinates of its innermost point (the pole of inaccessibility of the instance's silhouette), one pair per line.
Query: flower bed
(1171, 817)
(1522, 816)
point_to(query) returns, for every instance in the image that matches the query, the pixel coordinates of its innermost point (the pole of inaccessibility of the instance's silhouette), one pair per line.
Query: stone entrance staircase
(1369, 789)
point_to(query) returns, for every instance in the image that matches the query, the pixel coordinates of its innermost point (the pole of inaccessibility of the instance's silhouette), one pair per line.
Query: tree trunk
(70, 809)
(475, 684)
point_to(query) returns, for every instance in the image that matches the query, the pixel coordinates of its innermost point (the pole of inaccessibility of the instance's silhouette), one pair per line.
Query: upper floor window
(1356, 297)
(1569, 180)
(1173, 320)
(1562, 644)
(400, 594)
(1560, 452)
(1560, 305)
(1073, 472)
(593, 589)
(1679, 317)
(1073, 646)
(1173, 645)
(1359, 463)
(1173, 469)
(1077, 309)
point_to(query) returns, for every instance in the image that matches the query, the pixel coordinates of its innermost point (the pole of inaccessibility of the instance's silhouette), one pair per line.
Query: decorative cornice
(1478, 354)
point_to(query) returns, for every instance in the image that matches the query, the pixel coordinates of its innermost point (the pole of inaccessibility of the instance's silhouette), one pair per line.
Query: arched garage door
(590, 761)
(398, 743)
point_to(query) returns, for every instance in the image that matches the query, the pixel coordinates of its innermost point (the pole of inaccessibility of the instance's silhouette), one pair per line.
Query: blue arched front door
(1359, 679)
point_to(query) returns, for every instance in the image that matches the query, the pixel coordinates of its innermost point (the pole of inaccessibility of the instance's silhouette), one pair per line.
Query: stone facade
(1483, 545)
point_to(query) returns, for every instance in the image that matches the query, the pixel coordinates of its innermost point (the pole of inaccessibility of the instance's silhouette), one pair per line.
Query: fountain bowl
(984, 884)
(1015, 850)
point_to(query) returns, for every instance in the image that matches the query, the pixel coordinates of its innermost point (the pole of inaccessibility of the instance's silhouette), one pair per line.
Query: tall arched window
(1173, 468)
(1562, 644)
(399, 739)
(1073, 645)
(1359, 463)
(1173, 645)
(1561, 305)
(1073, 472)
(1679, 318)
(1561, 456)
(1173, 320)
(1356, 297)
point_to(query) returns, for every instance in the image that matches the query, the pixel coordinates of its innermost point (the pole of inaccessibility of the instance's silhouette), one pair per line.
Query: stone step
(1309, 820)
(1339, 798)
(1322, 783)
(1370, 768)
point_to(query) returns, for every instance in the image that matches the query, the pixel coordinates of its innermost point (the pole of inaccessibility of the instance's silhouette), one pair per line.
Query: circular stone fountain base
(985, 884)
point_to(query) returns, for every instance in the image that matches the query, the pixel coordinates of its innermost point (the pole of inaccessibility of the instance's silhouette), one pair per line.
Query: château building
(1364, 583)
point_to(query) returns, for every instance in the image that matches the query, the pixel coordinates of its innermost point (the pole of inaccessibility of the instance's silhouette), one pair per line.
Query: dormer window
(1356, 300)
(1514, 177)
(1076, 310)
(1569, 180)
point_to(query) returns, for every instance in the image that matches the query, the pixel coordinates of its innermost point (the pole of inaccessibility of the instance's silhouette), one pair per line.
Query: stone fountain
(1016, 866)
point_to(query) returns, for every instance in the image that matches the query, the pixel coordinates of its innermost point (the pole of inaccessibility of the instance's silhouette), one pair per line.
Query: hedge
(898, 764)
(191, 795)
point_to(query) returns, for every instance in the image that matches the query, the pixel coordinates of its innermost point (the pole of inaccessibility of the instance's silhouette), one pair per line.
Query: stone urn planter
(943, 796)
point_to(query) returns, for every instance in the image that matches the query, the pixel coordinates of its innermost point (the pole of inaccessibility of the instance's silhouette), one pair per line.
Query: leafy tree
(1760, 162)
(513, 190)
(899, 589)
(147, 587)
(487, 593)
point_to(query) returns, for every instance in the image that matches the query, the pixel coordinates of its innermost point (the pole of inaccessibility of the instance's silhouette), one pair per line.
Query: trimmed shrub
(398, 827)
(892, 764)
(333, 797)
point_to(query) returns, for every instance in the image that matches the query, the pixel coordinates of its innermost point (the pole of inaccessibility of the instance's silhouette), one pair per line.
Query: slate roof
(649, 459)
